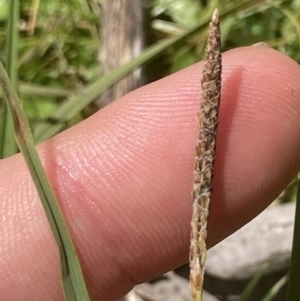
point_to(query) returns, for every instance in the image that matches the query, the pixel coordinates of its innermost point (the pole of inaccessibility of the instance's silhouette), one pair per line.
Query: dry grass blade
(204, 163)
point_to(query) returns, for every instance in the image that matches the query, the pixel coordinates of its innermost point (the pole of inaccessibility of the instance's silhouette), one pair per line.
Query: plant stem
(294, 274)
(72, 278)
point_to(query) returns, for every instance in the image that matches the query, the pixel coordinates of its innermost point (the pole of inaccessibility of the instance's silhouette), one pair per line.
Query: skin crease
(124, 176)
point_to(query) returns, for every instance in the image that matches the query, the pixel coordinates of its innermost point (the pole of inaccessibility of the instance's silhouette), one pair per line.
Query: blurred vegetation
(59, 42)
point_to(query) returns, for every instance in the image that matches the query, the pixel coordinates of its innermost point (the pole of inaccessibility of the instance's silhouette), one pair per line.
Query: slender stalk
(294, 273)
(8, 145)
(204, 163)
(72, 278)
(275, 289)
(246, 294)
(33, 16)
(37, 90)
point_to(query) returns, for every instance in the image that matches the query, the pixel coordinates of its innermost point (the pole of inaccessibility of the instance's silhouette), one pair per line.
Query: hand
(124, 177)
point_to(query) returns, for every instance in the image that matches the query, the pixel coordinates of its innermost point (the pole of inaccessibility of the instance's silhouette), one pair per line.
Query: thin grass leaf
(33, 16)
(8, 145)
(72, 278)
(253, 283)
(272, 293)
(37, 90)
(294, 273)
(75, 104)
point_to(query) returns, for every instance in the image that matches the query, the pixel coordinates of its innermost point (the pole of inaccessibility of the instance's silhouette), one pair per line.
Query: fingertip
(258, 134)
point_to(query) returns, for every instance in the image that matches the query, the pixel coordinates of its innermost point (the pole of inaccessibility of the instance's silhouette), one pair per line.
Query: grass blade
(38, 90)
(8, 145)
(253, 283)
(72, 278)
(294, 273)
(272, 293)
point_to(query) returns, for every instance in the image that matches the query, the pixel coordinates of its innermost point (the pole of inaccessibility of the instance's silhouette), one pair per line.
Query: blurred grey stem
(122, 38)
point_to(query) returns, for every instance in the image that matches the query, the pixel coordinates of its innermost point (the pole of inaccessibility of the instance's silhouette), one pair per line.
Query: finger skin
(124, 177)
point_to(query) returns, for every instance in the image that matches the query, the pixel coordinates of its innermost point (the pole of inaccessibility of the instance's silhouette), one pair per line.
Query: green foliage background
(60, 56)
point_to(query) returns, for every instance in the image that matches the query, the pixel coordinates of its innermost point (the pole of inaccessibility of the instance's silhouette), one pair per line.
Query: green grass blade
(253, 283)
(272, 293)
(294, 273)
(72, 278)
(8, 145)
(38, 90)
(76, 103)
